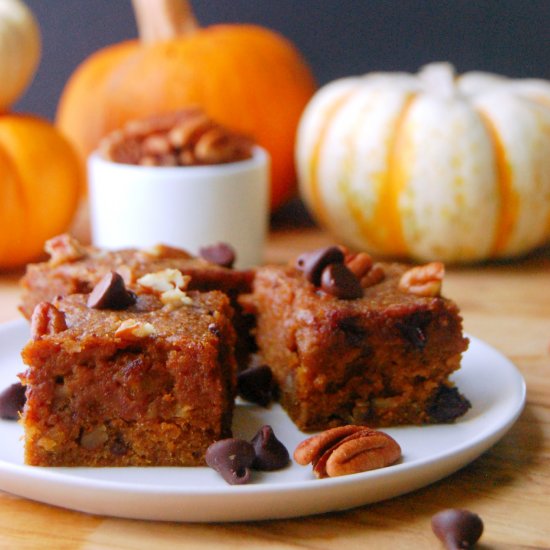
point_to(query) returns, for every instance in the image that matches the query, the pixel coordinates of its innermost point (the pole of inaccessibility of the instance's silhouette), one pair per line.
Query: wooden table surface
(505, 304)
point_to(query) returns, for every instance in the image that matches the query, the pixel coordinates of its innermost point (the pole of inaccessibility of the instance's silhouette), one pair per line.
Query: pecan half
(423, 280)
(46, 319)
(363, 267)
(375, 275)
(347, 450)
(359, 264)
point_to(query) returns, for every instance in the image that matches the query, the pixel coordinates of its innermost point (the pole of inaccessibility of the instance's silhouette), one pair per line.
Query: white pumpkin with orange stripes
(429, 166)
(19, 50)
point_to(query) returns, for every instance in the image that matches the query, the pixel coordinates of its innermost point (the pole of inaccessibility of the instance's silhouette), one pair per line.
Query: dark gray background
(337, 37)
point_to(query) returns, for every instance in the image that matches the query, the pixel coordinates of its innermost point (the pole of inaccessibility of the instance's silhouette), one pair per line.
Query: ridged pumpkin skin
(19, 50)
(245, 77)
(429, 167)
(40, 181)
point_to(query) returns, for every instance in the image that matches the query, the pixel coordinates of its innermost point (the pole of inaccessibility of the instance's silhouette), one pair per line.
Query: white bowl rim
(259, 157)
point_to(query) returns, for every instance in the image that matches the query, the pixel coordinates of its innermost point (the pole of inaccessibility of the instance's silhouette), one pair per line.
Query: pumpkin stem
(439, 78)
(159, 20)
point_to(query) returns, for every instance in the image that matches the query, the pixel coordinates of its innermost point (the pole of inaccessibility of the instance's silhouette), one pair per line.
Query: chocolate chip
(12, 401)
(111, 293)
(232, 459)
(255, 384)
(271, 454)
(413, 329)
(118, 447)
(339, 281)
(457, 529)
(354, 332)
(221, 254)
(447, 404)
(313, 263)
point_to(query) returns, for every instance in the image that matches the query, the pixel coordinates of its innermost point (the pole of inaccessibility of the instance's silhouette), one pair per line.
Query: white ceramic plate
(491, 382)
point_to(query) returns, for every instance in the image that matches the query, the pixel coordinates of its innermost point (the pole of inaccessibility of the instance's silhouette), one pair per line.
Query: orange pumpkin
(244, 76)
(40, 179)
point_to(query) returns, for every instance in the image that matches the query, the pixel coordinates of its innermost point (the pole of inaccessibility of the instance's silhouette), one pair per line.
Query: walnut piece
(175, 298)
(423, 280)
(347, 450)
(94, 438)
(63, 249)
(169, 284)
(162, 281)
(130, 329)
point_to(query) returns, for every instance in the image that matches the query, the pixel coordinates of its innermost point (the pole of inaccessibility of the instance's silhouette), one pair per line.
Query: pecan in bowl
(183, 138)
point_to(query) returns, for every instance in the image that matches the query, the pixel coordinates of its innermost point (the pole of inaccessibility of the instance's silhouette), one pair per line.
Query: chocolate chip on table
(313, 263)
(232, 458)
(457, 529)
(221, 254)
(271, 454)
(12, 401)
(447, 404)
(111, 293)
(255, 384)
(339, 281)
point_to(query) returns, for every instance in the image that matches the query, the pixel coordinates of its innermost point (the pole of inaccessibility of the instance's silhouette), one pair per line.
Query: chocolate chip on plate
(339, 281)
(232, 458)
(221, 254)
(111, 293)
(271, 454)
(12, 401)
(255, 384)
(313, 263)
(457, 529)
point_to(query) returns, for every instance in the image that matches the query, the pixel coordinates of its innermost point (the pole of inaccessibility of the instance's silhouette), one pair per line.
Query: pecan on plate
(347, 450)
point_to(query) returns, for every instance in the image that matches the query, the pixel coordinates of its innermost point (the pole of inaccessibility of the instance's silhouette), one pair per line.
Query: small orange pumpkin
(40, 180)
(246, 77)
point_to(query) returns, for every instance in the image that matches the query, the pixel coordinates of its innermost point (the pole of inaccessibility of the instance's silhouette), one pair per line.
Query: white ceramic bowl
(186, 207)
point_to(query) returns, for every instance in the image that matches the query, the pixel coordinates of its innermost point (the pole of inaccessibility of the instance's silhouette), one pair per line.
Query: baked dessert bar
(76, 269)
(350, 341)
(117, 378)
